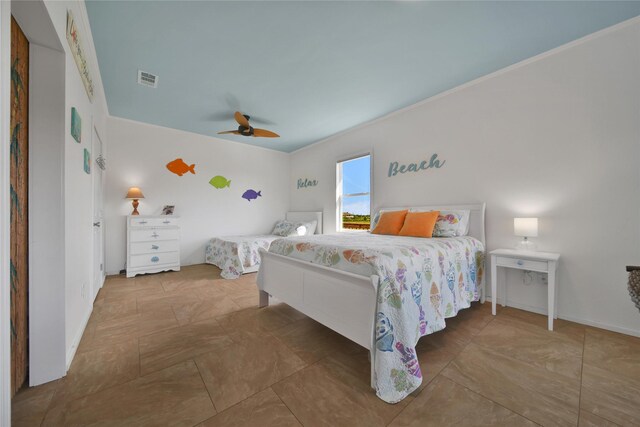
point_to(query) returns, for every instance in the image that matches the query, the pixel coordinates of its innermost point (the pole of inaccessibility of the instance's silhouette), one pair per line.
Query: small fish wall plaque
(87, 161)
(396, 168)
(179, 167)
(251, 195)
(305, 183)
(220, 182)
(76, 125)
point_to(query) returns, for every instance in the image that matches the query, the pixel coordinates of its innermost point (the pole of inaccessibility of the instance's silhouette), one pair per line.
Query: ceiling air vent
(147, 79)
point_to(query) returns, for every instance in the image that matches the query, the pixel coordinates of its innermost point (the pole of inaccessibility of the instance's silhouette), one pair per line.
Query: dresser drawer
(153, 235)
(167, 221)
(138, 248)
(150, 260)
(522, 264)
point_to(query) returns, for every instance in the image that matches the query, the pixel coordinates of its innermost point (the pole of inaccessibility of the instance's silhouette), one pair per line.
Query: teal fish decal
(220, 182)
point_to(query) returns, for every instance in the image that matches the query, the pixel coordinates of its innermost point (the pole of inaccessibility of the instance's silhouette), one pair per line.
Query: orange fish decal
(303, 247)
(356, 256)
(179, 167)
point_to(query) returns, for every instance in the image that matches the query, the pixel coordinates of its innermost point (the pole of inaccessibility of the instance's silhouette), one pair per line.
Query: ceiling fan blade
(265, 133)
(242, 120)
(235, 132)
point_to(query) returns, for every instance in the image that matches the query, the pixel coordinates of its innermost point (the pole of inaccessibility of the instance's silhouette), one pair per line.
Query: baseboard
(71, 352)
(600, 325)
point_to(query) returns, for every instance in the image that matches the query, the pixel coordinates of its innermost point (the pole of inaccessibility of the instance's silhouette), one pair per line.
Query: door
(98, 214)
(19, 185)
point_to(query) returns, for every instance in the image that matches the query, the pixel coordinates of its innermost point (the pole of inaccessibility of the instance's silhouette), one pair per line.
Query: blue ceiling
(310, 69)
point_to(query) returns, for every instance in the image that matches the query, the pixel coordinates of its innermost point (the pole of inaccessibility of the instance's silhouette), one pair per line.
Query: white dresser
(153, 244)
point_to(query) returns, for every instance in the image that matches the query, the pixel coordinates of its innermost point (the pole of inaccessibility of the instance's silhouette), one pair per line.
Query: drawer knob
(143, 222)
(520, 262)
(166, 222)
(155, 259)
(155, 247)
(155, 235)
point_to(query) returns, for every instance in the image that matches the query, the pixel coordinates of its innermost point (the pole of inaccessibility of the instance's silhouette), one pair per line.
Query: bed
(382, 292)
(238, 255)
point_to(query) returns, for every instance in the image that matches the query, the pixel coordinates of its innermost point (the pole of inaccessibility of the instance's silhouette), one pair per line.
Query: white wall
(77, 184)
(555, 137)
(47, 349)
(138, 154)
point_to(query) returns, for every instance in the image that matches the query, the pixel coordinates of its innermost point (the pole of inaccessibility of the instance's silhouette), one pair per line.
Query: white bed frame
(342, 301)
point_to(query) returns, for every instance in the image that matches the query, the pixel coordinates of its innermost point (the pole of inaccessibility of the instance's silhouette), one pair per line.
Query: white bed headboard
(306, 216)
(476, 217)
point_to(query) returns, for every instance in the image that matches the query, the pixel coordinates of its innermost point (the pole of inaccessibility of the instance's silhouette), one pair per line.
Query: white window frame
(340, 196)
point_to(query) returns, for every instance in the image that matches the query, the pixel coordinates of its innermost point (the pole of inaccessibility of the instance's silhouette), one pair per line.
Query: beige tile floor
(189, 348)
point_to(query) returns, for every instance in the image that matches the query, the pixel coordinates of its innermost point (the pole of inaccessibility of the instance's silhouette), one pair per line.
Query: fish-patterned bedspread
(234, 254)
(422, 282)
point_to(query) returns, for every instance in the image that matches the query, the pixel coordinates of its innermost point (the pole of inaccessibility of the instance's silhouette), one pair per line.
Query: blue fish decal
(384, 333)
(251, 195)
(472, 272)
(451, 280)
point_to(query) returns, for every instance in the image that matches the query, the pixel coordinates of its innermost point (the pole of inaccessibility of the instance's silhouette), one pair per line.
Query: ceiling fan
(245, 129)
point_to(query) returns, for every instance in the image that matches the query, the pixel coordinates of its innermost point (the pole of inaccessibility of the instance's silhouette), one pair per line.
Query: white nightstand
(543, 262)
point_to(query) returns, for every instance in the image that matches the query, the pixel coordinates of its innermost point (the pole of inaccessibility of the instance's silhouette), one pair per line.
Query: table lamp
(134, 193)
(525, 227)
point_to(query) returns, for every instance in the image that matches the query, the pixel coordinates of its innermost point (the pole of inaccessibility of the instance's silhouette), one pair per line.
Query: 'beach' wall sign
(396, 168)
(304, 183)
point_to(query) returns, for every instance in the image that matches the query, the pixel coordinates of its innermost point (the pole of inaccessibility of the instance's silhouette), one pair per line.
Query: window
(354, 193)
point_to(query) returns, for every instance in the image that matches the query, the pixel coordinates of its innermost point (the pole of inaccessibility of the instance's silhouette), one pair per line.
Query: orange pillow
(390, 222)
(419, 224)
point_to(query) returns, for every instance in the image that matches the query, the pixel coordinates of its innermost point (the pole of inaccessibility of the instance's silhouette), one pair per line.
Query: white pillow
(286, 228)
(306, 228)
(452, 223)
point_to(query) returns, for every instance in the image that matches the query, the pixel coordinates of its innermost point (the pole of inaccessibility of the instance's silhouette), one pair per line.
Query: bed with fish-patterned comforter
(422, 282)
(236, 255)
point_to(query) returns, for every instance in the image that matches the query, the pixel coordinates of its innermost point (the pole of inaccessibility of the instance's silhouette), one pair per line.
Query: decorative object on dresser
(135, 194)
(542, 262)
(153, 244)
(168, 210)
(634, 284)
(525, 227)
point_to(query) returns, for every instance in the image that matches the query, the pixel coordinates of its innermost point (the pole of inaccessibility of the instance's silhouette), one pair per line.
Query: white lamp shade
(525, 227)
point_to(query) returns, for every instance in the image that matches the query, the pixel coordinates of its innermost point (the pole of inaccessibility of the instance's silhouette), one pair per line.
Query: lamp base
(526, 245)
(135, 207)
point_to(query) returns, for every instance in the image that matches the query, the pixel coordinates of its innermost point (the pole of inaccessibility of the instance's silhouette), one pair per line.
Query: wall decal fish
(179, 167)
(251, 195)
(220, 182)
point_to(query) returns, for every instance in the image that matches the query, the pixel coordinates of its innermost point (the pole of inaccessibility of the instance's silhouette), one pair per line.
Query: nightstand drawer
(153, 235)
(523, 264)
(154, 222)
(149, 260)
(154, 247)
